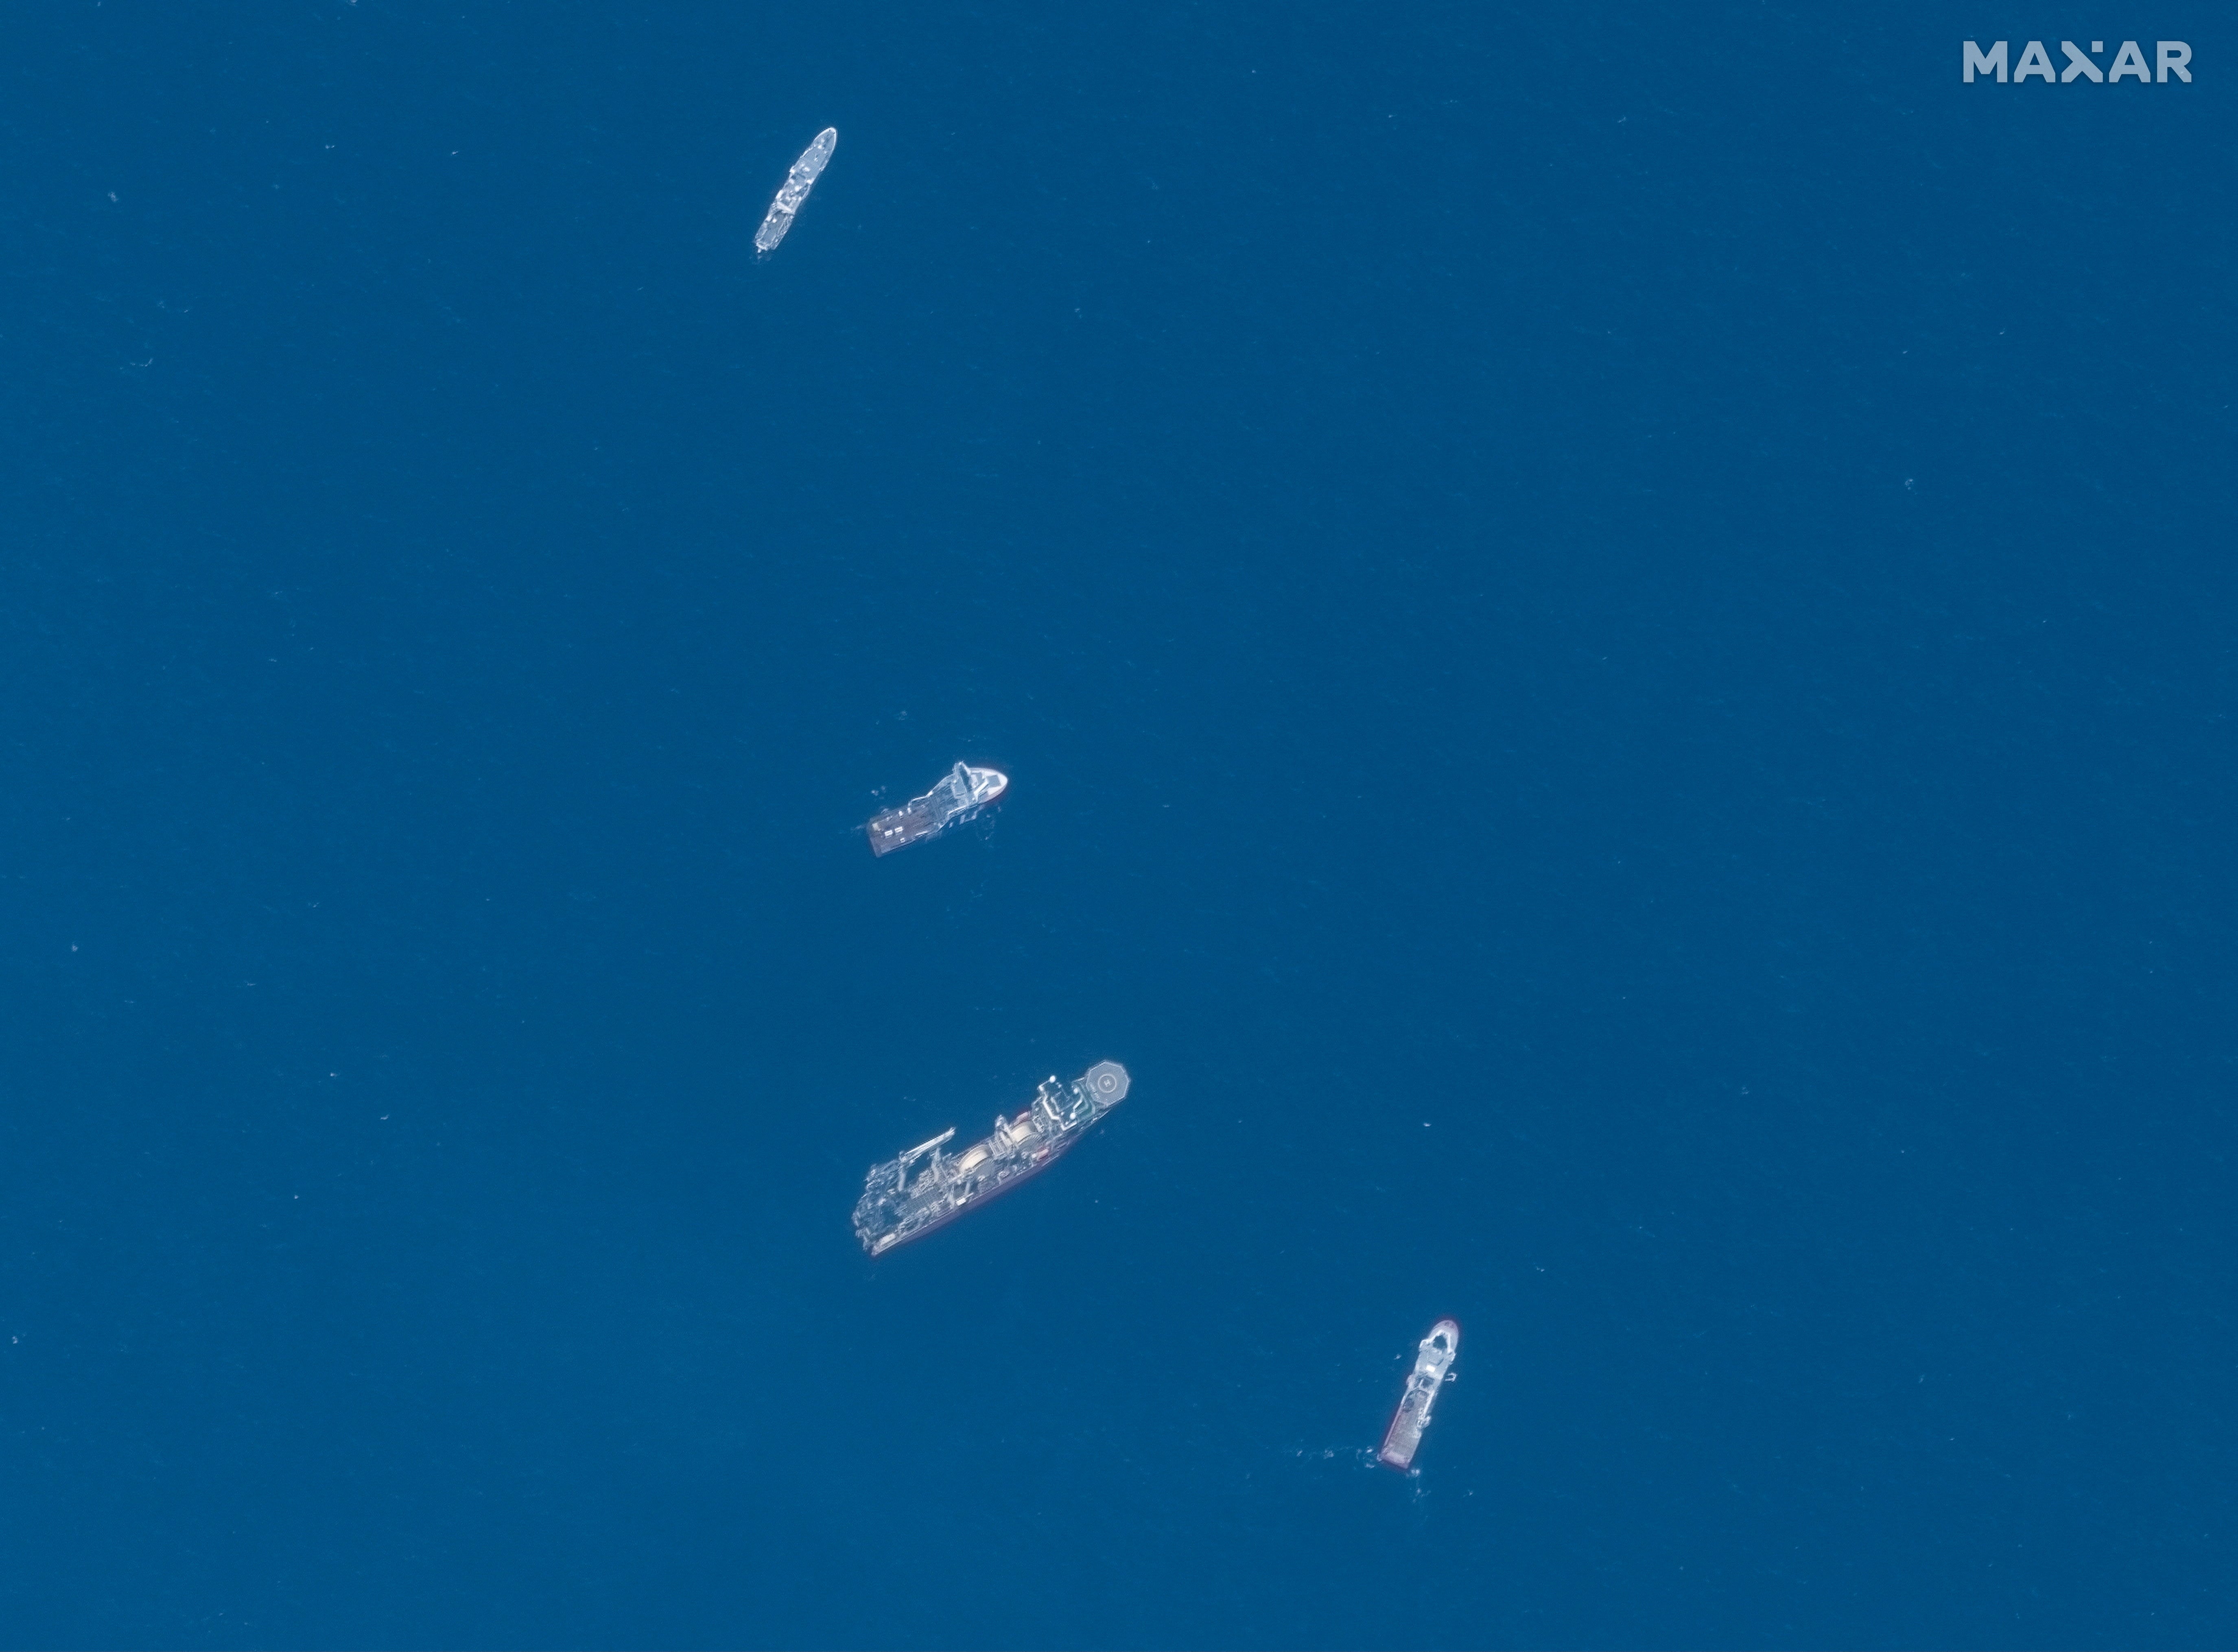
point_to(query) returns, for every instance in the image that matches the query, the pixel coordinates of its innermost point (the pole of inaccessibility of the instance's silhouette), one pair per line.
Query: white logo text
(2170, 57)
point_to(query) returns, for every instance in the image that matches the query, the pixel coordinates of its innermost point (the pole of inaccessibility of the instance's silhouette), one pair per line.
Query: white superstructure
(797, 183)
(958, 794)
(1433, 1362)
(902, 1201)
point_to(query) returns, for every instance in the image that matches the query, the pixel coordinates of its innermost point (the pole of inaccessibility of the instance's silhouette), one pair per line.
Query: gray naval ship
(895, 1208)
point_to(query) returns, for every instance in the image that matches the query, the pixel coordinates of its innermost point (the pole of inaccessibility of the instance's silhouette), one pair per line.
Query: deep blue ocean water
(1614, 629)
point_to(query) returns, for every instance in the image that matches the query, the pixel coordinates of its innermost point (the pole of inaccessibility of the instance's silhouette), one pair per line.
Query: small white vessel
(1433, 1362)
(790, 196)
(962, 792)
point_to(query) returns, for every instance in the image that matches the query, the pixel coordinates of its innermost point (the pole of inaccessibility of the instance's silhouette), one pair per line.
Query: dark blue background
(1614, 632)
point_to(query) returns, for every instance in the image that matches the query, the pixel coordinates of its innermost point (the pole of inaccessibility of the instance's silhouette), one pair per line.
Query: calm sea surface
(1614, 632)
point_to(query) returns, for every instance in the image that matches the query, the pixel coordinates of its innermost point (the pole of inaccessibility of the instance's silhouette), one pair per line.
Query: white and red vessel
(1434, 1368)
(962, 792)
(897, 1207)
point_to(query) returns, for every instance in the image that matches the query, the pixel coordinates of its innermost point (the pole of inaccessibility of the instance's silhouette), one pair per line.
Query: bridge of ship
(1042, 1122)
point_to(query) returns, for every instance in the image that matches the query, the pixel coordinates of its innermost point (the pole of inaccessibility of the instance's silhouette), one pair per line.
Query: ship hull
(1433, 1365)
(962, 793)
(924, 1190)
(1016, 1178)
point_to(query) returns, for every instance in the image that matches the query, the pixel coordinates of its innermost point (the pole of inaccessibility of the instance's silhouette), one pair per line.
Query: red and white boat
(1433, 1369)
(962, 793)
